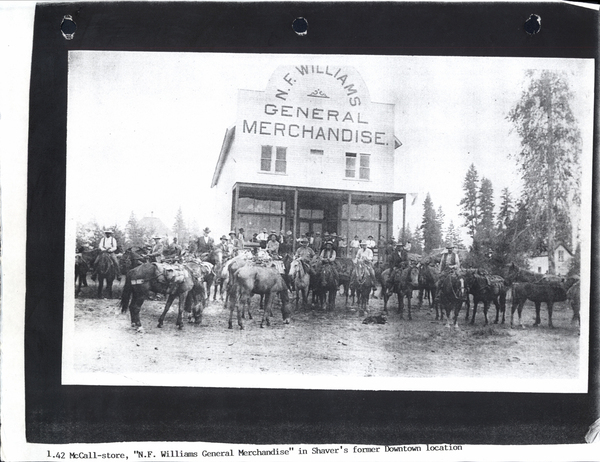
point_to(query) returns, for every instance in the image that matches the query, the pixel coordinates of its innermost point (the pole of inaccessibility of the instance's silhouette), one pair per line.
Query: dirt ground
(335, 344)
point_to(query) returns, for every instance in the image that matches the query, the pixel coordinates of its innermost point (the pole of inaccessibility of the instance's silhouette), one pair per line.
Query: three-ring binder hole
(533, 24)
(300, 26)
(68, 27)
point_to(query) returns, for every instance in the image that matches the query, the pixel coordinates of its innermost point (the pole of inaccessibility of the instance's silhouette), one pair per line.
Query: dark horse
(428, 277)
(361, 282)
(486, 289)
(451, 295)
(573, 296)
(157, 278)
(215, 257)
(344, 268)
(84, 260)
(326, 284)
(249, 280)
(402, 282)
(105, 271)
(545, 291)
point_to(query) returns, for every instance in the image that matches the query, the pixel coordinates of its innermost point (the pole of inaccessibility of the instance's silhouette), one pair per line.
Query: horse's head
(295, 267)
(413, 275)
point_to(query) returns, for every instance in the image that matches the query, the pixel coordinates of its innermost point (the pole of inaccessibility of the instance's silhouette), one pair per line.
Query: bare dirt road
(321, 343)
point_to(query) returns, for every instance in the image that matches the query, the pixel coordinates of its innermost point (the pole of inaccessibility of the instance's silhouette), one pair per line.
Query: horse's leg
(420, 298)
(182, 298)
(475, 303)
(486, 307)
(170, 300)
(550, 305)
(538, 307)
(458, 305)
(503, 305)
(400, 303)
(267, 299)
(100, 285)
(497, 305)
(332, 296)
(409, 297)
(109, 283)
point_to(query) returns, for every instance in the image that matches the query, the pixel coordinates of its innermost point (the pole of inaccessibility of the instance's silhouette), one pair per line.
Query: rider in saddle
(449, 264)
(172, 251)
(224, 246)
(205, 242)
(398, 261)
(273, 245)
(328, 253)
(305, 254)
(108, 244)
(365, 255)
(156, 253)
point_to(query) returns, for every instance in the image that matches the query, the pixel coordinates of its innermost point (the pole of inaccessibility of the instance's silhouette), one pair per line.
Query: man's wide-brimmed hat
(232, 232)
(156, 237)
(399, 244)
(329, 243)
(303, 241)
(108, 231)
(206, 230)
(450, 245)
(363, 242)
(223, 237)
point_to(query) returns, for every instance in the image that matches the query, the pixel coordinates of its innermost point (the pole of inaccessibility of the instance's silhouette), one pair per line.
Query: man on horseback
(365, 256)
(398, 262)
(156, 253)
(234, 243)
(172, 251)
(205, 242)
(305, 254)
(108, 245)
(273, 245)
(449, 265)
(328, 253)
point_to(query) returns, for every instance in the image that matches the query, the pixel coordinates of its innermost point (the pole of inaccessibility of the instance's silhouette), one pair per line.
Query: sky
(145, 129)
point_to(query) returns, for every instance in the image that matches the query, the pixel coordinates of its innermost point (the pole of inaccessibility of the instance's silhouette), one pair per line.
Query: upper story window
(363, 169)
(317, 152)
(270, 163)
(561, 255)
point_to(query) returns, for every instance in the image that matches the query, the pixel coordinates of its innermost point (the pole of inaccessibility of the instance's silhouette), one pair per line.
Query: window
(350, 165)
(364, 170)
(317, 152)
(266, 159)
(280, 160)
(561, 256)
(365, 167)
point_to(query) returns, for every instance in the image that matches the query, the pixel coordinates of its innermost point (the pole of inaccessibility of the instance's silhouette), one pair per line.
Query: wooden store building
(311, 153)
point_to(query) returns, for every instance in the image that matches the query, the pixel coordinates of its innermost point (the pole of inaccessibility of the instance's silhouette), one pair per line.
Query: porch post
(234, 217)
(349, 220)
(294, 232)
(403, 216)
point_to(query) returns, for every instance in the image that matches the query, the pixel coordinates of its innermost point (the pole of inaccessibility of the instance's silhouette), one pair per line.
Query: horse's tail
(127, 295)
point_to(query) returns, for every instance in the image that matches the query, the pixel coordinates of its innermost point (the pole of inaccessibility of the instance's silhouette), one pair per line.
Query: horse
(214, 257)
(485, 288)
(513, 273)
(327, 284)
(105, 271)
(131, 258)
(155, 277)
(573, 296)
(81, 270)
(547, 291)
(451, 295)
(249, 280)
(300, 281)
(361, 282)
(428, 277)
(402, 282)
(344, 268)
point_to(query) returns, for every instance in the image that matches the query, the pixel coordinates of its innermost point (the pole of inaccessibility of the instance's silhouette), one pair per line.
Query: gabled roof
(155, 224)
(227, 142)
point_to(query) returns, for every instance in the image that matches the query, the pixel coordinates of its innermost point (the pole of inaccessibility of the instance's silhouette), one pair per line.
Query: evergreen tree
(453, 236)
(136, 234)
(179, 228)
(549, 156)
(469, 204)
(506, 211)
(439, 219)
(417, 241)
(485, 228)
(432, 236)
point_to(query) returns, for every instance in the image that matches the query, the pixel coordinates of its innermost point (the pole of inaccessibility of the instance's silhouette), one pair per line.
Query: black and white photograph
(328, 222)
(299, 230)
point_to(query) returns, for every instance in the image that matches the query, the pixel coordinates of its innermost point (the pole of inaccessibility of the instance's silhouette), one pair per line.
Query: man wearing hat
(399, 257)
(173, 250)
(365, 255)
(108, 244)
(305, 254)
(354, 246)
(157, 250)
(328, 253)
(205, 242)
(273, 245)
(234, 242)
(263, 237)
(224, 246)
(450, 260)
(241, 237)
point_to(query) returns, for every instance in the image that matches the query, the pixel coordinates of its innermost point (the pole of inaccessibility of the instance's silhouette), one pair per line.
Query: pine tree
(549, 156)
(469, 204)
(453, 236)
(135, 234)
(506, 211)
(485, 228)
(179, 228)
(417, 241)
(432, 236)
(439, 219)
